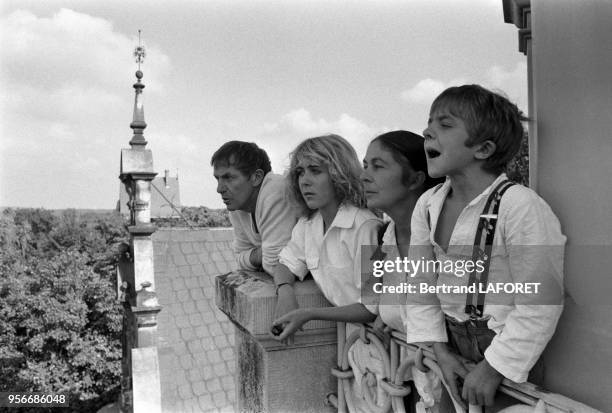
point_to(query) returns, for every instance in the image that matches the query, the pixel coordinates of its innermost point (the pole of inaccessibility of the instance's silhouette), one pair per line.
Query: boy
(472, 133)
(260, 213)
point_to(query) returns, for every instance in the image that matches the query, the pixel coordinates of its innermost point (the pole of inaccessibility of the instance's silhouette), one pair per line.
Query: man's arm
(276, 218)
(255, 257)
(243, 247)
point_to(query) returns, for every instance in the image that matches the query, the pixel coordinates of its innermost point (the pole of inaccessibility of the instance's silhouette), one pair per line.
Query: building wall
(572, 86)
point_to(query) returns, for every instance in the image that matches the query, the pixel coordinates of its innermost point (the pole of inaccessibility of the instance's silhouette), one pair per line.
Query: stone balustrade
(270, 376)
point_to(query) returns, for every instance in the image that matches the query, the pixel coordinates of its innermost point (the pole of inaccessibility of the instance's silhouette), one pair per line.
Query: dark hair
(487, 116)
(247, 157)
(407, 150)
(339, 157)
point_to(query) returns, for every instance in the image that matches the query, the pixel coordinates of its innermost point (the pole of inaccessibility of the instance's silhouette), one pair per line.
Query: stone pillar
(140, 384)
(270, 376)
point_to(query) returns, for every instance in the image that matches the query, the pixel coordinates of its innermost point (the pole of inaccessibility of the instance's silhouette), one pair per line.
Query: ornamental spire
(138, 122)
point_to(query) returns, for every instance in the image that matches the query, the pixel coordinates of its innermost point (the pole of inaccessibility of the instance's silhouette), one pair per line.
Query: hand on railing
(286, 302)
(453, 371)
(476, 382)
(481, 383)
(382, 331)
(289, 324)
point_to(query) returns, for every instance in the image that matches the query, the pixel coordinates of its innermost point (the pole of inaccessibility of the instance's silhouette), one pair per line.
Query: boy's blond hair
(487, 116)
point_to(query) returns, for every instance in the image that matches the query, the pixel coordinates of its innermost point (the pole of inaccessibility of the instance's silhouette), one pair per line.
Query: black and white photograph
(365, 206)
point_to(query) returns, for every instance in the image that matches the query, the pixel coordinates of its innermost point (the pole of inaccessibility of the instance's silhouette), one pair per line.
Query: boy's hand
(290, 323)
(452, 370)
(481, 384)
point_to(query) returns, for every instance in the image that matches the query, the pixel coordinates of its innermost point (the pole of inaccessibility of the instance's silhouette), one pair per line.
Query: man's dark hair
(247, 157)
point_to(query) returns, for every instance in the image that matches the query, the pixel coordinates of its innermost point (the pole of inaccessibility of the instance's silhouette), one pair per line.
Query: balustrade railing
(398, 358)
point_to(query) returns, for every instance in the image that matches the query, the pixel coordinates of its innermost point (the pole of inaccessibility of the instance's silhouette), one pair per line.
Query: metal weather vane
(139, 52)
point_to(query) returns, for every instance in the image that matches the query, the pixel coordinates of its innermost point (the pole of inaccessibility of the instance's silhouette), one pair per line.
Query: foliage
(197, 217)
(60, 322)
(518, 168)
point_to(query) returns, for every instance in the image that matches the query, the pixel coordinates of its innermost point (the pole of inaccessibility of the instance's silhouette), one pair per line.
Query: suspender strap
(483, 245)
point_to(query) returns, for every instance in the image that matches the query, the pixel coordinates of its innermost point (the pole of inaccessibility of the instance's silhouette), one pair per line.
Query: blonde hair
(339, 157)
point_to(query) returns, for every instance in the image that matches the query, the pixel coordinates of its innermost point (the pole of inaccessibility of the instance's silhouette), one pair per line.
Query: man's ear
(257, 177)
(485, 149)
(417, 180)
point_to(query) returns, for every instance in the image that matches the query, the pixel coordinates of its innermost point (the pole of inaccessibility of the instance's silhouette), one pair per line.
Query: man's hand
(481, 384)
(452, 370)
(291, 322)
(255, 257)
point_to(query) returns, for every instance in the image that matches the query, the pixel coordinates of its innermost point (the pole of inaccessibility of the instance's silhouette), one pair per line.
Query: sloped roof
(196, 356)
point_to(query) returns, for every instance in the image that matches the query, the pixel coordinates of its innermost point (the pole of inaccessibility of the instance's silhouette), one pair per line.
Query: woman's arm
(292, 321)
(283, 281)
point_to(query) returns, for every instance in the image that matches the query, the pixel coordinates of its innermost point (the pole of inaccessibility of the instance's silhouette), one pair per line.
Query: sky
(269, 72)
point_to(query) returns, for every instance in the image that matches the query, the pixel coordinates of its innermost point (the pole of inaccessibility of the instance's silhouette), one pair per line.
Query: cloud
(510, 82)
(66, 102)
(281, 137)
(426, 90)
(69, 48)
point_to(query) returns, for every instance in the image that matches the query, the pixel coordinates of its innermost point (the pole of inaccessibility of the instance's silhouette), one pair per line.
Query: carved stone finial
(138, 122)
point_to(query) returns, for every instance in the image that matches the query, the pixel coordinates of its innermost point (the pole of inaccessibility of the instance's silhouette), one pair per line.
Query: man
(260, 213)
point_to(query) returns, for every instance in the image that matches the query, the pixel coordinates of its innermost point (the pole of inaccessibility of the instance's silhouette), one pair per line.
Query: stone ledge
(249, 299)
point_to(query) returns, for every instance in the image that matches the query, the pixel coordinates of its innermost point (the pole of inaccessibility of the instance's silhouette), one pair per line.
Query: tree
(60, 322)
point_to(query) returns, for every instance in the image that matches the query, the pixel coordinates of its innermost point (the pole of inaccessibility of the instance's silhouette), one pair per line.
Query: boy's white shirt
(333, 258)
(275, 217)
(524, 219)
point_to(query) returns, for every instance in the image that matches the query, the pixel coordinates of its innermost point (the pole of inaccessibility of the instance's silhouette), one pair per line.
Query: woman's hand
(382, 331)
(290, 323)
(286, 301)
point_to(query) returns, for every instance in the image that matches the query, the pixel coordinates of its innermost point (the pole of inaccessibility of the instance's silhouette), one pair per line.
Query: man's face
(236, 188)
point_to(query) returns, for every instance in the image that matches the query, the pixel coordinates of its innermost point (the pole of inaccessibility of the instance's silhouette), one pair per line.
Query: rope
(172, 206)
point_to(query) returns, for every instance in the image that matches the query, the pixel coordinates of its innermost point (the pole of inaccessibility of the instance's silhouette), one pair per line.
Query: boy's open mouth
(432, 153)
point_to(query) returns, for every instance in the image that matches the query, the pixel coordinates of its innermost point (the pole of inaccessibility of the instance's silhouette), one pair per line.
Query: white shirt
(389, 309)
(274, 216)
(333, 258)
(528, 246)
